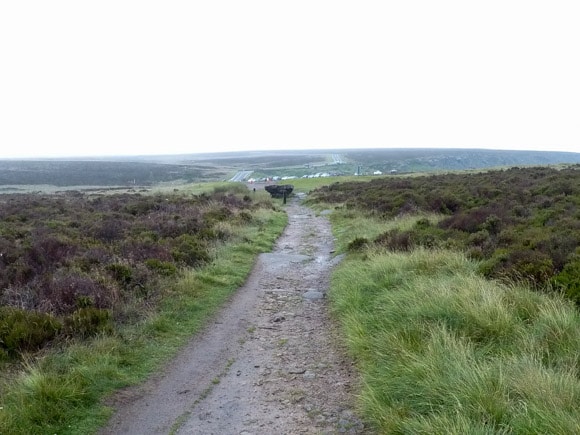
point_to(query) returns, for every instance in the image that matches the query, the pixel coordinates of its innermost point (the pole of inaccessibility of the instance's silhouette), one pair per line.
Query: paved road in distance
(337, 159)
(241, 176)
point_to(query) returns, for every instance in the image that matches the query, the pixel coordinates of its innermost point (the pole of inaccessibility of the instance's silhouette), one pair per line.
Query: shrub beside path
(269, 362)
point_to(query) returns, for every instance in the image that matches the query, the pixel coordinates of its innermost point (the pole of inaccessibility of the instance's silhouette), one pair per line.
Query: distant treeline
(97, 173)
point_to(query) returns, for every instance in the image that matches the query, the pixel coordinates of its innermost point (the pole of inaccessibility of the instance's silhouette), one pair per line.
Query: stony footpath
(270, 363)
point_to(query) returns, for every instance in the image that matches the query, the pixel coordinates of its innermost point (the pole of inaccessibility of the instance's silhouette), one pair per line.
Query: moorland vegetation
(147, 171)
(97, 290)
(458, 299)
(430, 160)
(458, 295)
(521, 223)
(101, 173)
(71, 264)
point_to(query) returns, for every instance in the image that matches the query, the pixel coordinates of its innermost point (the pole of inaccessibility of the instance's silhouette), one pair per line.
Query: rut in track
(269, 363)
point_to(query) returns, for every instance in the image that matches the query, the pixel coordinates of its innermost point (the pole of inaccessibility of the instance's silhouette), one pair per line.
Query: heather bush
(534, 266)
(245, 217)
(479, 238)
(59, 293)
(217, 214)
(138, 250)
(110, 230)
(396, 240)
(568, 280)
(121, 273)
(164, 268)
(142, 207)
(559, 247)
(18, 273)
(48, 252)
(76, 256)
(87, 322)
(189, 250)
(24, 331)
(357, 244)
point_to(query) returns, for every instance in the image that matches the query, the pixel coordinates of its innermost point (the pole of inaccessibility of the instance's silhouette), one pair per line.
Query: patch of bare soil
(270, 362)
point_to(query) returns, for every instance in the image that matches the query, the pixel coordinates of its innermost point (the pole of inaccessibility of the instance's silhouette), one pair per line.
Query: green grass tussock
(441, 347)
(443, 350)
(307, 184)
(349, 226)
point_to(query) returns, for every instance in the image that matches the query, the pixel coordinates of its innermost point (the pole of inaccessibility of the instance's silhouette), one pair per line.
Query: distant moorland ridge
(148, 170)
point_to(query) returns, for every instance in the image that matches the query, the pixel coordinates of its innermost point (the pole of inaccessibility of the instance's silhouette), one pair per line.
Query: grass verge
(348, 225)
(442, 350)
(307, 184)
(62, 392)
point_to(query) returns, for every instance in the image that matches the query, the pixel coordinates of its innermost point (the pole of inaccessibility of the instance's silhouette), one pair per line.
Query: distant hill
(419, 160)
(149, 170)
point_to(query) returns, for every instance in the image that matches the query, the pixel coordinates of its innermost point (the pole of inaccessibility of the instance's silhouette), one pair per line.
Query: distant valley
(150, 170)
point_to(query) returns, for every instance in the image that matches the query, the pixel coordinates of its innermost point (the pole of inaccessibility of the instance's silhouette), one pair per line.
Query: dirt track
(269, 363)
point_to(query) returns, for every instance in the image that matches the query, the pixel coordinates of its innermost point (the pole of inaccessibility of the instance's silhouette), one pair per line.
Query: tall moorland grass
(349, 225)
(444, 351)
(62, 391)
(305, 185)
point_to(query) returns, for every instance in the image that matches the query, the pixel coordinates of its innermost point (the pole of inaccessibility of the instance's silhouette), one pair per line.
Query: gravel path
(269, 363)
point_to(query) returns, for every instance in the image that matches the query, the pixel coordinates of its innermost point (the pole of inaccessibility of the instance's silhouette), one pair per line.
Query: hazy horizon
(295, 150)
(151, 78)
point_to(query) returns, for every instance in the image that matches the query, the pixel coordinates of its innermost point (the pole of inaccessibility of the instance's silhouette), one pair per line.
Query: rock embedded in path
(309, 375)
(313, 295)
(278, 317)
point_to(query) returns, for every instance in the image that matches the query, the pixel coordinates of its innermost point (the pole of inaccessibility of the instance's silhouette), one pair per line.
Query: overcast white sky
(153, 77)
